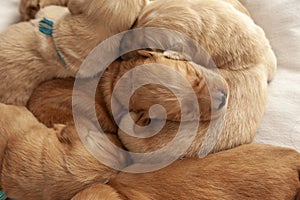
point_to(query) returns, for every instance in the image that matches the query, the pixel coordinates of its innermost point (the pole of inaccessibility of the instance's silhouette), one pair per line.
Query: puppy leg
(98, 192)
(51, 102)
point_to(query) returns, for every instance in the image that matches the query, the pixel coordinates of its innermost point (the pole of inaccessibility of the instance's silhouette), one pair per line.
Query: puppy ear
(76, 6)
(146, 53)
(64, 133)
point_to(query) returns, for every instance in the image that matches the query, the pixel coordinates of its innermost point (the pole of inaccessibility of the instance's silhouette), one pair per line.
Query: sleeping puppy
(246, 172)
(239, 50)
(42, 49)
(41, 163)
(222, 28)
(243, 45)
(27, 58)
(51, 102)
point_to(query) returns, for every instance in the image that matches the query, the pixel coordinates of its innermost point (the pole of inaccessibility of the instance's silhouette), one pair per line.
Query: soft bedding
(281, 21)
(8, 13)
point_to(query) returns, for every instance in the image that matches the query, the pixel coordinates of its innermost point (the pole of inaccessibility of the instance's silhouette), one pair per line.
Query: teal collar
(46, 27)
(2, 195)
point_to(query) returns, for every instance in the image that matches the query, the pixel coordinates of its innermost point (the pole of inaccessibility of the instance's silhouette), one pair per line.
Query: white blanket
(8, 13)
(281, 21)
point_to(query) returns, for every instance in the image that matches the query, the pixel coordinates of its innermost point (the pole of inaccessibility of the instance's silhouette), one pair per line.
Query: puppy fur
(246, 172)
(41, 163)
(29, 8)
(51, 102)
(222, 28)
(28, 57)
(241, 53)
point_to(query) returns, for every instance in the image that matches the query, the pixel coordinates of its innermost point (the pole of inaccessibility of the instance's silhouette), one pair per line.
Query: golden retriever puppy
(41, 163)
(27, 57)
(246, 172)
(222, 28)
(42, 49)
(236, 45)
(51, 102)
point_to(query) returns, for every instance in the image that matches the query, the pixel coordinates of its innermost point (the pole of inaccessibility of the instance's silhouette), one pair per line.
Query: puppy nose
(223, 99)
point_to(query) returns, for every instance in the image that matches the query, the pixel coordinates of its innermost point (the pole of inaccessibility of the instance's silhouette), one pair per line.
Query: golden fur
(29, 8)
(28, 57)
(240, 51)
(41, 163)
(247, 63)
(230, 37)
(68, 167)
(246, 172)
(51, 102)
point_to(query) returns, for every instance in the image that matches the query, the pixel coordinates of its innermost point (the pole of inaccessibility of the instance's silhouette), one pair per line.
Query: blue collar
(2, 195)
(46, 27)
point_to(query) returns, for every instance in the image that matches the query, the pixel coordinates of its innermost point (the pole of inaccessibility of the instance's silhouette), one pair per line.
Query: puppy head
(80, 158)
(99, 148)
(176, 85)
(116, 14)
(28, 9)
